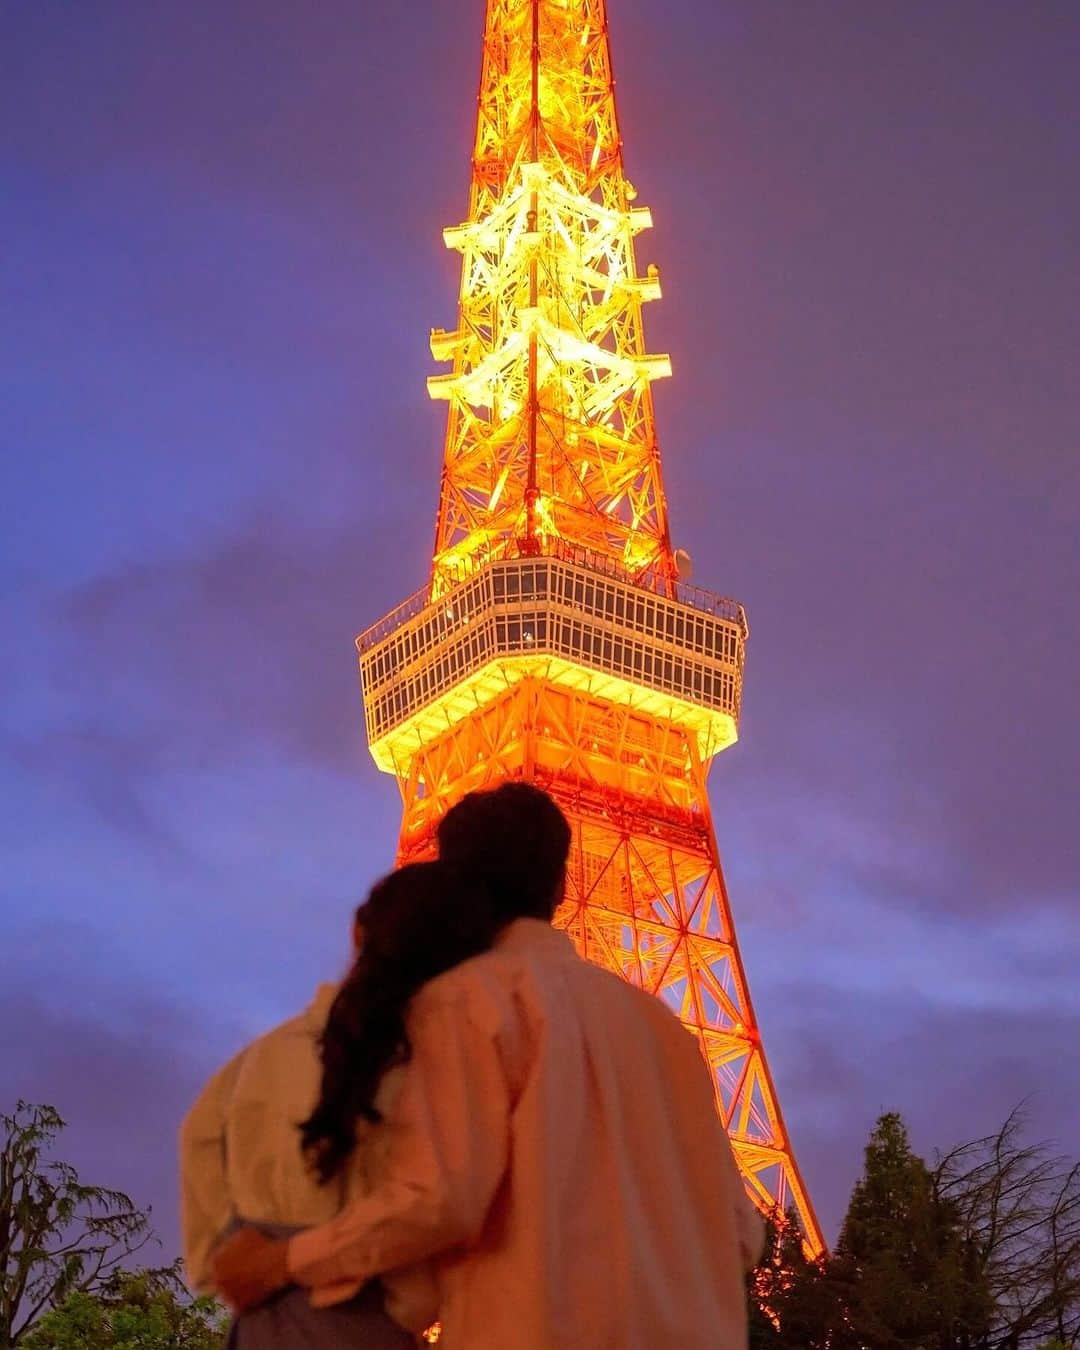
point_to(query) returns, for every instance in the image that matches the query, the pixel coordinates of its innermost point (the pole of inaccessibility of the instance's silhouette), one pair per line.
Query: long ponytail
(418, 922)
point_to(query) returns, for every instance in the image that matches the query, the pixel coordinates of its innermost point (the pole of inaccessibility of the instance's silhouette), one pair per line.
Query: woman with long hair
(503, 866)
(416, 923)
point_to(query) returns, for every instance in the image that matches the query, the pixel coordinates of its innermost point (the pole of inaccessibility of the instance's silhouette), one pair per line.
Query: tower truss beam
(555, 640)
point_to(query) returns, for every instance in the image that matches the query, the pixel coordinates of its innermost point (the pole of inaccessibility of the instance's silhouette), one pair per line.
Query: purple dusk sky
(221, 260)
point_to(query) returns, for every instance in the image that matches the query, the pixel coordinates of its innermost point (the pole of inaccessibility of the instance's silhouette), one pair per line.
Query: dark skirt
(289, 1322)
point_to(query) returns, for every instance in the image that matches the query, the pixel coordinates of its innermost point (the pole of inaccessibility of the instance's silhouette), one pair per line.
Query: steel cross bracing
(554, 640)
(550, 431)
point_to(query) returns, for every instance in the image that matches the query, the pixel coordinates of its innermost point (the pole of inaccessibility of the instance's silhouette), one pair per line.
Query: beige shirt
(555, 1142)
(240, 1155)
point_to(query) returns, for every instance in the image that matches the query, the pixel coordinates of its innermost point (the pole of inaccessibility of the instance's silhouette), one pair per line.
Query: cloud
(210, 703)
(798, 820)
(252, 641)
(119, 1062)
(219, 306)
(110, 771)
(954, 1073)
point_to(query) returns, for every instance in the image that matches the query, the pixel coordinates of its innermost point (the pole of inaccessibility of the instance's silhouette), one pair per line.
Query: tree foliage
(145, 1310)
(901, 1267)
(58, 1236)
(979, 1252)
(793, 1305)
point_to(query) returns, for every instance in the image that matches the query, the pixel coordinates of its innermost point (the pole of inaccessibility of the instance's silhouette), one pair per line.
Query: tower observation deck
(554, 639)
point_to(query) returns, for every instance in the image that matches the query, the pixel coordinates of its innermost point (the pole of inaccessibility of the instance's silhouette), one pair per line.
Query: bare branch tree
(1019, 1209)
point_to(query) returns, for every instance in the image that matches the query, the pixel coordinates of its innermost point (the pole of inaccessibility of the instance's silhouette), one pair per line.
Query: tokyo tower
(557, 638)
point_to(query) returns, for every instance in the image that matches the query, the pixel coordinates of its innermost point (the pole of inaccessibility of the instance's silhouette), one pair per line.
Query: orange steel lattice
(555, 640)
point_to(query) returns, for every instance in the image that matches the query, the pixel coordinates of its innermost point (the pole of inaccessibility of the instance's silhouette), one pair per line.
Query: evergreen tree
(901, 1269)
(980, 1253)
(793, 1304)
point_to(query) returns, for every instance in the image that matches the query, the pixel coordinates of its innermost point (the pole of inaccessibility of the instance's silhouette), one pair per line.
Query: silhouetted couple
(493, 1134)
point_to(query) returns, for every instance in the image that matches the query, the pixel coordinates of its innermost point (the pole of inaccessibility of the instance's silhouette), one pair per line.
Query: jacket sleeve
(749, 1225)
(448, 1148)
(205, 1202)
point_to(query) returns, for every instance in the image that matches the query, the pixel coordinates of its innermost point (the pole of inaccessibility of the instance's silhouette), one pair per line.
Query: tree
(980, 1252)
(145, 1310)
(58, 1236)
(1018, 1210)
(761, 1286)
(793, 1303)
(902, 1271)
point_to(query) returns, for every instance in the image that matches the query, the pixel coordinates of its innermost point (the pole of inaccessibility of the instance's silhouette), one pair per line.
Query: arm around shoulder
(448, 1149)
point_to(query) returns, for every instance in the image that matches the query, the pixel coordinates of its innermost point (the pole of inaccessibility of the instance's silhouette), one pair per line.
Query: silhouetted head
(514, 841)
(417, 923)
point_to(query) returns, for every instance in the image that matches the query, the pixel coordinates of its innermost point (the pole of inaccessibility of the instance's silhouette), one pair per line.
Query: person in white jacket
(241, 1161)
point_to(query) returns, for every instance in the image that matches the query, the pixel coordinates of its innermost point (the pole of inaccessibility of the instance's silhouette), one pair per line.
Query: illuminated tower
(555, 639)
